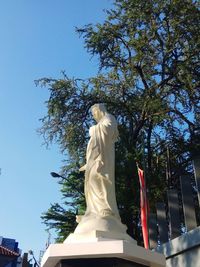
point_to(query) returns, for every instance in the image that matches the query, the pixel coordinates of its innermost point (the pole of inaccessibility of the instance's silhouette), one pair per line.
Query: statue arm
(83, 168)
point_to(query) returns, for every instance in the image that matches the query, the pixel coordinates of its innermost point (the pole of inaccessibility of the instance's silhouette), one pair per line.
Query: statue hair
(99, 106)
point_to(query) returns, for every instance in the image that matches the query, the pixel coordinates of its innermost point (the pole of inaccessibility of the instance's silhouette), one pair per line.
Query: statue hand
(83, 168)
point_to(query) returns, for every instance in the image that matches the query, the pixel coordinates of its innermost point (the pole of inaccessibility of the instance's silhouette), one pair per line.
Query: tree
(149, 64)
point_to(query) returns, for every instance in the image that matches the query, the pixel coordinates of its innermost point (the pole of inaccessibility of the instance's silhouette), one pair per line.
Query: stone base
(92, 222)
(94, 236)
(123, 253)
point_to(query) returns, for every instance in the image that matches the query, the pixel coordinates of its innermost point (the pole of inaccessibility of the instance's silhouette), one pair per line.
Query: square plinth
(103, 253)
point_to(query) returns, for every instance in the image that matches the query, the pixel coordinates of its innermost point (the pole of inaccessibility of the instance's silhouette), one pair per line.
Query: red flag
(143, 208)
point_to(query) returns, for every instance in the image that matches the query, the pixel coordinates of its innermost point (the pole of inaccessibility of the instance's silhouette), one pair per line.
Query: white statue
(99, 168)
(101, 208)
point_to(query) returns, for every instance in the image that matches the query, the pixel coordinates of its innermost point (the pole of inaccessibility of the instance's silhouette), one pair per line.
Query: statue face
(96, 113)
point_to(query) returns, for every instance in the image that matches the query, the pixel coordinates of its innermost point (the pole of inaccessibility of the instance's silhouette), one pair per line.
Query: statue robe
(101, 219)
(99, 175)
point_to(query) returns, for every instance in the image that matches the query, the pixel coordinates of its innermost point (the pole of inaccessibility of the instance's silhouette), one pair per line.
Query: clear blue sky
(37, 39)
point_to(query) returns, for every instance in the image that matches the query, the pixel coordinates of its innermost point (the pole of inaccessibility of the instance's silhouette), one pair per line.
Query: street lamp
(33, 257)
(56, 175)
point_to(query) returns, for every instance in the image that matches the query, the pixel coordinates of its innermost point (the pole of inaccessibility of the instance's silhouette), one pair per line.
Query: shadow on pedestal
(98, 262)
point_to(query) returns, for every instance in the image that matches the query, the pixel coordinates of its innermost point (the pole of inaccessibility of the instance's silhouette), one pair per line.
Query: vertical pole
(196, 166)
(162, 222)
(174, 214)
(153, 234)
(188, 203)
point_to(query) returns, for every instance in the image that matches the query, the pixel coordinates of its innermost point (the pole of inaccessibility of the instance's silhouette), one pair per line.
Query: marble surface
(102, 249)
(101, 214)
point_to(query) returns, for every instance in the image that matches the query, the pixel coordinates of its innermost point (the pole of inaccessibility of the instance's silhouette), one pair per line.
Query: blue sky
(38, 40)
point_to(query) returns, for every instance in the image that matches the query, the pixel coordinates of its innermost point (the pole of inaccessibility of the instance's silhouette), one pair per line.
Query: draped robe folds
(101, 207)
(99, 175)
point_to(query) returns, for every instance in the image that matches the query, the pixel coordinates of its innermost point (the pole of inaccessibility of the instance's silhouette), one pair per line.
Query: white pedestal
(120, 249)
(96, 235)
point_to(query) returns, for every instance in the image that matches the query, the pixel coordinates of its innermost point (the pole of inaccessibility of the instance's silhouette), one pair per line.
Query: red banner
(143, 208)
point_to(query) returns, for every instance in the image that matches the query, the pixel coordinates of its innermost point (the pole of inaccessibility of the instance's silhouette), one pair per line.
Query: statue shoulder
(108, 121)
(111, 118)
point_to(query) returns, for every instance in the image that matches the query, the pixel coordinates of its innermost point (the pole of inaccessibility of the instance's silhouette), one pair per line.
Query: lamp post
(33, 257)
(56, 175)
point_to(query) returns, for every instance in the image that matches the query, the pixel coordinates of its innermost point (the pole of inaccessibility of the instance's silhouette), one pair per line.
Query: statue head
(98, 111)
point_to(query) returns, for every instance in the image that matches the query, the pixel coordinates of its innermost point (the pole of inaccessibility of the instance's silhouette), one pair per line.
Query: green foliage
(63, 220)
(149, 64)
